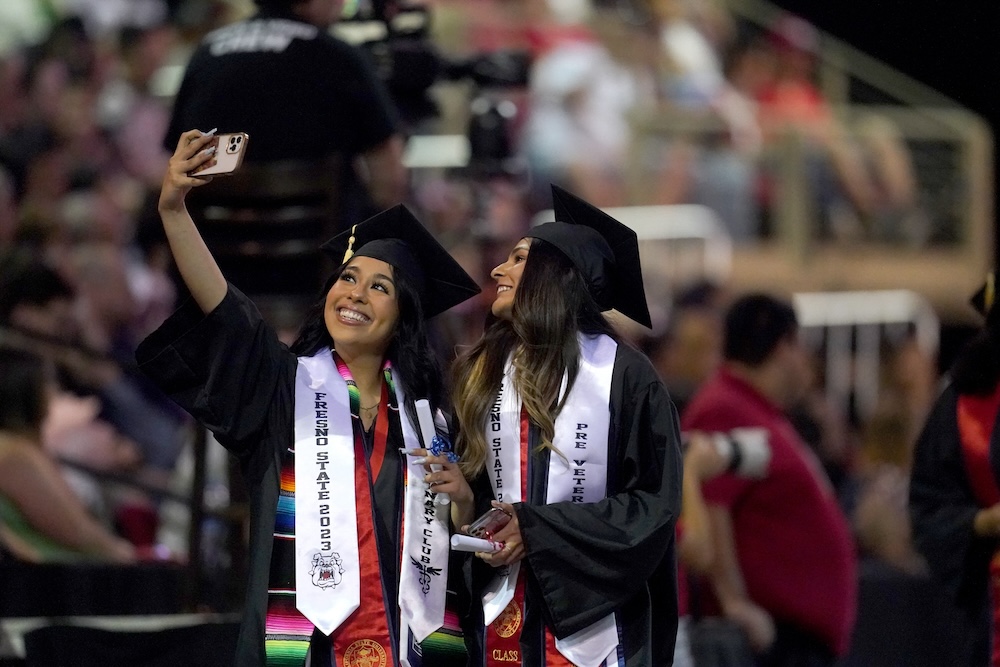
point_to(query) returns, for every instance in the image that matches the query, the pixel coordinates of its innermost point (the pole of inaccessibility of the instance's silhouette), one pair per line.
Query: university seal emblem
(509, 620)
(365, 653)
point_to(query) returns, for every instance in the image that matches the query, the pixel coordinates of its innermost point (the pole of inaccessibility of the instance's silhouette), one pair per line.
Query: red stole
(503, 636)
(364, 639)
(976, 416)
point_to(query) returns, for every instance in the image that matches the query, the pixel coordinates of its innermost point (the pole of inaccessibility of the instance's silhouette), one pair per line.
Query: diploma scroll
(460, 542)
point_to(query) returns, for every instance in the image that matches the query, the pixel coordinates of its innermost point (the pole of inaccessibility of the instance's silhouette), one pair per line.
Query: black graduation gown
(586, 560)
(942, 508)
(229, 370)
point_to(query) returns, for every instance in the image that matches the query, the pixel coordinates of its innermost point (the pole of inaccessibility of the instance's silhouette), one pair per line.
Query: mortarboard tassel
(350, 246)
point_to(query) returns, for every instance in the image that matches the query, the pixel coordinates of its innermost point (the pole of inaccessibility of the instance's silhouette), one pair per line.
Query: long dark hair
(415, 362)
(23, 400)
(551, 306)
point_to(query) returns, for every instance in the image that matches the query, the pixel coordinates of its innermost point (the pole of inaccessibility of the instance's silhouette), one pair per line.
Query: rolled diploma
(460, 542)
(427, 431)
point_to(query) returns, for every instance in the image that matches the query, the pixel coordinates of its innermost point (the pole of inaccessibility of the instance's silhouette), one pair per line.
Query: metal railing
(851, 330)
(950, 152)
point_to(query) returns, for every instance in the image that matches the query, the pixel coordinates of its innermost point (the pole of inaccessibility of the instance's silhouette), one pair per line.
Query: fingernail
(210, 132)
(408, 452)
(420, 459)
(208, 151)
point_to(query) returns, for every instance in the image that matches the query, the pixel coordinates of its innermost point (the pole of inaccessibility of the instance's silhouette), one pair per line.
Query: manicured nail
(208, 151)
(420, 459)
(210, 132)
(408, 452)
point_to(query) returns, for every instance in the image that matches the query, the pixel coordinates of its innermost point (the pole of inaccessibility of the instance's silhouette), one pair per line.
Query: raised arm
(194, 261)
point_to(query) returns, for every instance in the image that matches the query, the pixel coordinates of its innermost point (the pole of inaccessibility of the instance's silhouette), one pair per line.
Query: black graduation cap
(604, 250)
(396, 237)
(985, 297)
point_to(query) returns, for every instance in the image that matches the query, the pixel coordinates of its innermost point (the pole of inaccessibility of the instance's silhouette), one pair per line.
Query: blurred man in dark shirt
(300, 94)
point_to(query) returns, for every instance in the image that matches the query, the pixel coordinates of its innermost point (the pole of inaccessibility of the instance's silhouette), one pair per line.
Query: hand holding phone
(229, 152)
(489, 524)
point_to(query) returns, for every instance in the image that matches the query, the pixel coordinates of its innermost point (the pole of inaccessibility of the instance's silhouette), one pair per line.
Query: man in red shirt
(785, 565)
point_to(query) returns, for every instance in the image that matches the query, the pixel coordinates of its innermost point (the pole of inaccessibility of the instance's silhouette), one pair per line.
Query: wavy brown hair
(551, 306)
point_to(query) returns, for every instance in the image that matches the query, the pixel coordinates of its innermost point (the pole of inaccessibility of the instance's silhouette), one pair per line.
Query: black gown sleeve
(223, 367)
(943, 507)
(590, 559)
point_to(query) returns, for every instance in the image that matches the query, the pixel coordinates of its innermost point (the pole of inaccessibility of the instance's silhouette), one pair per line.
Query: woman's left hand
(448, 479)
(513, 544)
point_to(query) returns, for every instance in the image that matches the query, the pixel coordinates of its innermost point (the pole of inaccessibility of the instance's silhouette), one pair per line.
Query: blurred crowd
(85, 101)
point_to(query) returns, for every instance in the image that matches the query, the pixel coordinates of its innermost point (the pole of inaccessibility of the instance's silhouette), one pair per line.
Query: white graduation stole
(327, 564)
(423, 578)
(581, 436)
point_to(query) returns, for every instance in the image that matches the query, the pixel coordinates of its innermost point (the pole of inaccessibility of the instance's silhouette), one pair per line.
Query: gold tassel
(350, 246)
(988, 296)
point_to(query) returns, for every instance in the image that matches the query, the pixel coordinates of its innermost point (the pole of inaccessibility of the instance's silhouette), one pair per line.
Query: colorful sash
(976, 416)
(326, 563)
(578, 473)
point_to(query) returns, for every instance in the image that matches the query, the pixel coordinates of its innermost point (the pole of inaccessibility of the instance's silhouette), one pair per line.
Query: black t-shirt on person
(299, 92)
(295, 89)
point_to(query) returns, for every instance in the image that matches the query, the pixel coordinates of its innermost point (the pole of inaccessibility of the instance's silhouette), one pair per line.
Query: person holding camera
(577, 439)
(301, 94)
(348, 546)
(784, 567)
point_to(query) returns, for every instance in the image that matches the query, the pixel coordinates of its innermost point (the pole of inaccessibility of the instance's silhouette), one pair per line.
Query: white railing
(852, 326)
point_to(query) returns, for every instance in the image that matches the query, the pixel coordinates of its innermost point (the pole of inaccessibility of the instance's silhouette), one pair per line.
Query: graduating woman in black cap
(579, 442)
(348, 542)
(955, 486)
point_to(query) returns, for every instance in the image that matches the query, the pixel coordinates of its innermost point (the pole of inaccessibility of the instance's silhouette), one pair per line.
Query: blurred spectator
(22, 22)
(784, 566)
(8, 209)
(896, 214)
(35, 300)
(719, 169)
(825, 427)
(581, 91)
(792, 101)
(690, 350)
(858, 181)
(910, 384)
(130, 108)
(880, 512)
(695, 549)
(300, 94)
(41, 520)
(103, 18)
(954, 495)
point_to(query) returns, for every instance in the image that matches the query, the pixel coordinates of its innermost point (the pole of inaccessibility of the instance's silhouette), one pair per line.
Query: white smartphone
(229, 152)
